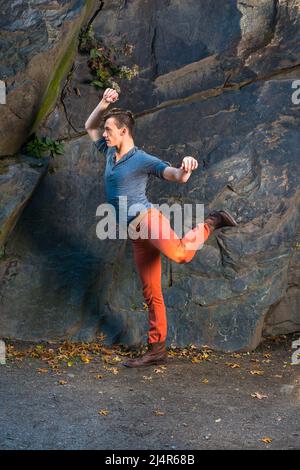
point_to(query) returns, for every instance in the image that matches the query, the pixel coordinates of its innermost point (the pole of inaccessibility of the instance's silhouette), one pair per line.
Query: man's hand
(189, 164)
(110, 95)
(183, 172)
(93, 122)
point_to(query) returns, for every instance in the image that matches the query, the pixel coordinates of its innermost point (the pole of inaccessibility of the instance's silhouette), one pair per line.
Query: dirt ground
(81, 397)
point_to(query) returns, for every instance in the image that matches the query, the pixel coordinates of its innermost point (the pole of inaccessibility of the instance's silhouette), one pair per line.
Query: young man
(126, 173)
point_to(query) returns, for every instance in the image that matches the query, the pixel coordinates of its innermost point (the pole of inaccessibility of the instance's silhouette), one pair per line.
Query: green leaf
(59, 151)
(94, 53)
(97, 83)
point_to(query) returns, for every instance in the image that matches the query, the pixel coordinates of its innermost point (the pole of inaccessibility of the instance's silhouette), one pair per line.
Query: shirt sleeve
(101, 145)
(155, 166)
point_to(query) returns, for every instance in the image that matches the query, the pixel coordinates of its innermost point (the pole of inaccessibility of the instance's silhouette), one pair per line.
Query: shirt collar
(125, 156)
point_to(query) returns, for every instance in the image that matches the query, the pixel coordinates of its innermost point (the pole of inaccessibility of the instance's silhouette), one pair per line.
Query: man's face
(112, 134)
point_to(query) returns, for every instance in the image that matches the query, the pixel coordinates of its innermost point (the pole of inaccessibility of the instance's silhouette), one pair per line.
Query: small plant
(126, 72)
(102, 64)
(128, 49)
(102, 60)
(39, 147)
(87, 39)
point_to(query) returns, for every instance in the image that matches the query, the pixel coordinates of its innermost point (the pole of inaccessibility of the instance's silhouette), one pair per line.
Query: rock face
(216, 81)
(36, 44)
(18, 180)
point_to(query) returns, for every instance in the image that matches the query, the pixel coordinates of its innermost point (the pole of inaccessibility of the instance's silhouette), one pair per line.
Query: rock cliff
(215, 81)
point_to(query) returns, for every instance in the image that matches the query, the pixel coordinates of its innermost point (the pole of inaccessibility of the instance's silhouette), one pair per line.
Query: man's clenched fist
(189, 164)
(110, 95)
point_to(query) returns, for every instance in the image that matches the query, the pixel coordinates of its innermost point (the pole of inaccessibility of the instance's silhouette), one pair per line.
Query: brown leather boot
(155, 355)
(218, 219)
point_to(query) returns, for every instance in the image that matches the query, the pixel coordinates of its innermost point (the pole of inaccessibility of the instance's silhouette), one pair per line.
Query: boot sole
(229, 218)
(153, 363)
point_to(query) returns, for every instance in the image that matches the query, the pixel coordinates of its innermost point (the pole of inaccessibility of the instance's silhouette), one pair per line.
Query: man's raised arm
(92, 124)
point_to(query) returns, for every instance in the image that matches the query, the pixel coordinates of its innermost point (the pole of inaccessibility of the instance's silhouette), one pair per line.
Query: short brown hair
(122, 118)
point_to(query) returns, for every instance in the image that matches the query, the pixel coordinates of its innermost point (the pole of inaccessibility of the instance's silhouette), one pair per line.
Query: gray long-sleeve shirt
(128, 176)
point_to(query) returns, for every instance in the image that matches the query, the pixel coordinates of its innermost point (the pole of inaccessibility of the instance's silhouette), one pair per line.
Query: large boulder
(215, 82)
(38, 41)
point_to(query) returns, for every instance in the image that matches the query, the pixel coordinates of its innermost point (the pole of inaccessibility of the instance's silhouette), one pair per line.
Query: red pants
(147, 255)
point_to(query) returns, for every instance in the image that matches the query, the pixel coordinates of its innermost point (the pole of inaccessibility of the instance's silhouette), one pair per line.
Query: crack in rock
(205, 94)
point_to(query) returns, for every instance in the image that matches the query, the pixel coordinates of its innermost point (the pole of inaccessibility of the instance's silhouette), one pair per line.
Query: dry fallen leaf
(101, 337)
(258, 395)
(66, 352)
(232, 365)
(266, 440)
(62, 382)
(42, 370)
(114, 370)
(159, 413)
(196, 359)
(85, 359)
(160, 370)
(106, 359)
(172, 353)
(256, 372)
(205, 381)
(116, 359)
(103, 412)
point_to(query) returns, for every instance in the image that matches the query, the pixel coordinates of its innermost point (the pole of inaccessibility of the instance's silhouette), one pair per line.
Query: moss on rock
(63, 66)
